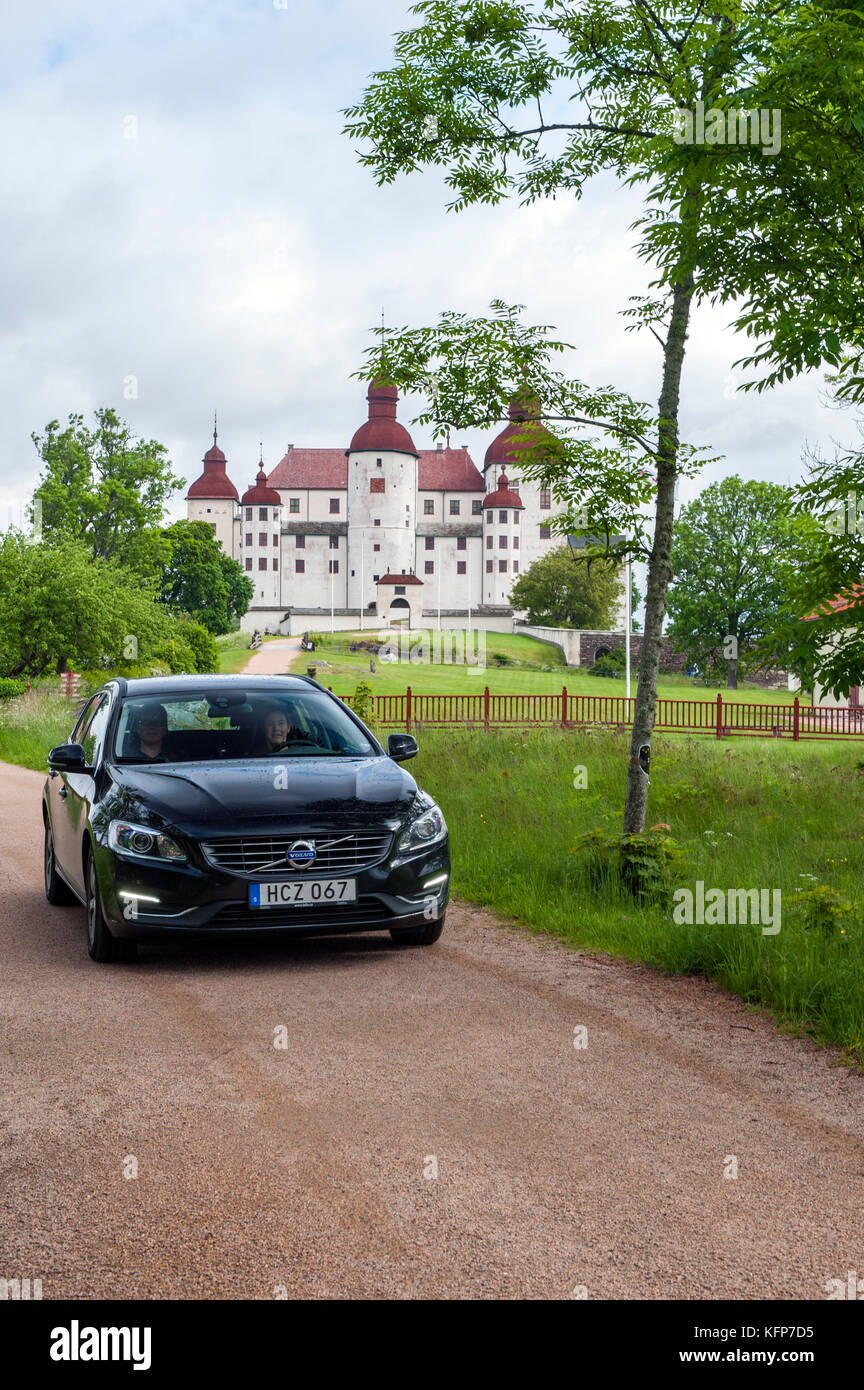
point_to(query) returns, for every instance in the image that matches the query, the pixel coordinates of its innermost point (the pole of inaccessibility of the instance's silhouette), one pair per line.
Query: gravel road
(309, 1170)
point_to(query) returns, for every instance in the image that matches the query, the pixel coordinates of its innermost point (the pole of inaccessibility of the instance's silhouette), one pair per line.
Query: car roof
(178, 685)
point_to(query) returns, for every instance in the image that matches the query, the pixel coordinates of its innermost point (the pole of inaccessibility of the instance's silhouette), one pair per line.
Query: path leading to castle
(274, 658)
(428, 1128)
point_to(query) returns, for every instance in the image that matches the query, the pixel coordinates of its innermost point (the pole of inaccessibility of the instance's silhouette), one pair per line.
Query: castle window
(515, 566)
(477, 507)
(299, 566)
(334, 504)
(502, 517)
(248, 562)
(462, 543)
(376, 546)
(334, 542)
(379, 463)
(430, 567)
(399, 589)
(275, 539)
(262, 563)
(377, 521)
(376, 484)
(248, 513)
(545, 533)
(515, 542)
(334, 566)
(488, 566)
(502, 542)
(293, 504)
(429, 506)
(502, 566)
(454, 507)
(489, 542)
(515, 518)
(262, 537)
(300, 542)
(375, 578)
(460, 566)
(262, 513)
(430, 542)
(545, 498)
(275, 564)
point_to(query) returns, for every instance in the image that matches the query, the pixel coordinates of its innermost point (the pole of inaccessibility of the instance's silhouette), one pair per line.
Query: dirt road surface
(309, 1169)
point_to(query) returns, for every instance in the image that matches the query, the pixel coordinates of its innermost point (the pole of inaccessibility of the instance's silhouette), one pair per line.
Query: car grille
(335, 915)
(335, 854)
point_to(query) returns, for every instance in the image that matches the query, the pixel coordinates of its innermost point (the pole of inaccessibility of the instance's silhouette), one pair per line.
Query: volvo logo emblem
(301, 854)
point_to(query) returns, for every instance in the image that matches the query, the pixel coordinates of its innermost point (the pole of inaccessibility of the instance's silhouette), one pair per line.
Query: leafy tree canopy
(200, 579)
(562, 589)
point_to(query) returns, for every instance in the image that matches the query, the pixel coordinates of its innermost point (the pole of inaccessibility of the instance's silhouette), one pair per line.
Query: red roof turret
(503, 497)
(214, 481)
(517, 443)
(260, 495)
(382, 430)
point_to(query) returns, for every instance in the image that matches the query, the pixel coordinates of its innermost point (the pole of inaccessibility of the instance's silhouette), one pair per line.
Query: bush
(10, 688)
(363, 704)
(644, 864)
(824, 908)
(612, 664)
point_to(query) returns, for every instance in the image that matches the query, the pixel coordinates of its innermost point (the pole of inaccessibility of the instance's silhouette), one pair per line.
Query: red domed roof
(503, 497)
(525, 422)
(260, 495)
(214, 481)
(382, 430)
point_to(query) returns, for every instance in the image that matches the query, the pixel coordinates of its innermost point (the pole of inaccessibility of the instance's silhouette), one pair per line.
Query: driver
(276, 731)
(152, 725)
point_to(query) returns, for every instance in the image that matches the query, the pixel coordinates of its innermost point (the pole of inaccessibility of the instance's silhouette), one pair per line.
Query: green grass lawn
(749, 813)
(532, 668)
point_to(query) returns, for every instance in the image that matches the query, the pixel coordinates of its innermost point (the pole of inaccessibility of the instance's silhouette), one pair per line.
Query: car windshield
(194, 727)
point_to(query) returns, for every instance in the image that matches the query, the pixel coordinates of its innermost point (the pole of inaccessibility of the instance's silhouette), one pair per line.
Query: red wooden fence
(482, 709)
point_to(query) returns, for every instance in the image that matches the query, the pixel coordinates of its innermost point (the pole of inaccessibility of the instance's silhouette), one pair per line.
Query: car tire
(418, 936)
(101, 945)
(57, 891)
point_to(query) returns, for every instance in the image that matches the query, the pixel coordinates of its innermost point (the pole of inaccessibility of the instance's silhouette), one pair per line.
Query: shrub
(610, 664)
(824, 908)
(10, 688)
(363, 704)
(644, 863)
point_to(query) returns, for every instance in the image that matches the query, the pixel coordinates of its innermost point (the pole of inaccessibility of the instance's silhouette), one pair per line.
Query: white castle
(382, 533)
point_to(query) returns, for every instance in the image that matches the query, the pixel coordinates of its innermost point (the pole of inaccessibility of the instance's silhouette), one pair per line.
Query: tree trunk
(660, 562)
(732, 673)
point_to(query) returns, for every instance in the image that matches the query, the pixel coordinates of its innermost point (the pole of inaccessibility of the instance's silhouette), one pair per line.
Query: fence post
(486, 709)
(563, 707)
(408, 709)
(719, 716)
(795, 719)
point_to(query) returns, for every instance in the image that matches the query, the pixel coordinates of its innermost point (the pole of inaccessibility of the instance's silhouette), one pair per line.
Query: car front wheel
(58, 893)
(101, 945)
(418, 936)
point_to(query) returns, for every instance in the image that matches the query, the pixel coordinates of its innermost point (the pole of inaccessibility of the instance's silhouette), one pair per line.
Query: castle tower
(524, 439)
(382, 498)
(502, 541)
(261, 510)
(213, 497)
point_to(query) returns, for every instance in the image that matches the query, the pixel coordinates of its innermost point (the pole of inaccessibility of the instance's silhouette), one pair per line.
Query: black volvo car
(228, 805)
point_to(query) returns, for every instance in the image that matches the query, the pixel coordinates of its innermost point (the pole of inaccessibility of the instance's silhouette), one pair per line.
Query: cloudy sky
(180, 207)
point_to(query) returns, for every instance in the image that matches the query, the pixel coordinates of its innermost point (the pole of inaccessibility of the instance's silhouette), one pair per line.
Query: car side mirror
(67, 757)
(400, 747)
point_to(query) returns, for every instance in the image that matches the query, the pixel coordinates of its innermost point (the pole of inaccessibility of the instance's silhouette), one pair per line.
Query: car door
(78, 788)
(58, 792)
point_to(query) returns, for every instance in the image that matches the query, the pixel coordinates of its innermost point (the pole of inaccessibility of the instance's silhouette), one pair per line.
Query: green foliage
(736, 551)
(105, 488)
(614, 664)
(363, 704)
(825, 909)
(9, 688)
(644, 864)
(562, 589)
(201, 580)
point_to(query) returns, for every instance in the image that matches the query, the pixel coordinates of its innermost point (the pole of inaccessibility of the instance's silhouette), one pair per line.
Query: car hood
(203, 798)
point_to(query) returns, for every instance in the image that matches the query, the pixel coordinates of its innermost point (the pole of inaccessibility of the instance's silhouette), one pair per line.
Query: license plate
(303, 892)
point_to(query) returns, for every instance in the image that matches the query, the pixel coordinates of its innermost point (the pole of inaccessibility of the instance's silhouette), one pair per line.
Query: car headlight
(427, 828)
(140, 840)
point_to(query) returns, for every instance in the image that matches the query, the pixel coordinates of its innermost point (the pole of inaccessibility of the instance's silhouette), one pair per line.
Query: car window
(94, 733)
(238, 724)
(84, 718)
